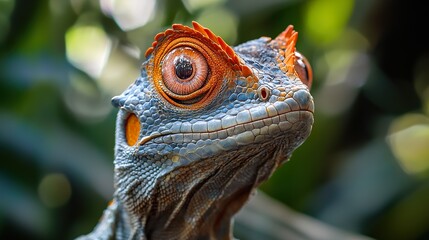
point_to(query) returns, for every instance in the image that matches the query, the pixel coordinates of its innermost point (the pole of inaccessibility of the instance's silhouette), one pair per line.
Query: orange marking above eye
(132, 129)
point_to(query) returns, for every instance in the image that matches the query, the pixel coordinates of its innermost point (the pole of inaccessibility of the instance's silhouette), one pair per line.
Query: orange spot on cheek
(132, 129)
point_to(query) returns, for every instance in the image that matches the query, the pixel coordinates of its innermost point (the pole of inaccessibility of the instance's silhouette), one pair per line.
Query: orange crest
(286, 42)
(289, 60)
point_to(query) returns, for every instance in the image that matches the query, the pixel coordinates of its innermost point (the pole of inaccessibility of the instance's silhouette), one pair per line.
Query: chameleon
(200, 129)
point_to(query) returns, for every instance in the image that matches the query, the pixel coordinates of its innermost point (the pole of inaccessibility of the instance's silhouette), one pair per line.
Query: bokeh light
(325, 20)
(54, 190)
(129, 14)
(88, 48)
(409, 141)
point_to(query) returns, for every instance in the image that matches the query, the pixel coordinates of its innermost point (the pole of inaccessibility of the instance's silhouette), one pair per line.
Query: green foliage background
(364, 169)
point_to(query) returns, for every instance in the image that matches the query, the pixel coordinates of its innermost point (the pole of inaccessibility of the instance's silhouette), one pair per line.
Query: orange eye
(132, 129)
(184, 71)
(190, 67)
(188, 73)
(303, 68)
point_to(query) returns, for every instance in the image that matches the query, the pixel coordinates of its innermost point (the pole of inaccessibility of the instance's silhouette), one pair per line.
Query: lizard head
(205, 124)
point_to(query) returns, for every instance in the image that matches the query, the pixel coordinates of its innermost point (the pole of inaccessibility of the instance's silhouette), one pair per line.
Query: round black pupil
(183, 67)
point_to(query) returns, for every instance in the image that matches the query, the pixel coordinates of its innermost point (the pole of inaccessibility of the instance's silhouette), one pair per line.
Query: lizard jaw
(244, 133)
(246, 126)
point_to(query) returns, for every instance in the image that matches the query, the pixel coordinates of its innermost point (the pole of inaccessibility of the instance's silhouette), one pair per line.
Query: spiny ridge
(207, 34)
(286, 41)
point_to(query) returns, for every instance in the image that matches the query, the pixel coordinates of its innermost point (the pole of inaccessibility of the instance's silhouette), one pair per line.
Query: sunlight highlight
(409, 141)
(130, 14)
(54, 190)
(88, 48)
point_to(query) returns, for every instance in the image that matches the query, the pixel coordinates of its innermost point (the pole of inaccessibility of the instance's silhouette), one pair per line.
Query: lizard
(200, 129)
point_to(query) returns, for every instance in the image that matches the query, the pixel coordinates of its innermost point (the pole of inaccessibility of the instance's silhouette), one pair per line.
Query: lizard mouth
(244, 133)
(247, 126)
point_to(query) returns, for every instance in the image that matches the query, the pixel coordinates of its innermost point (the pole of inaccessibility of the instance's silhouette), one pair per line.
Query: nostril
(118, 101)
(264, 93)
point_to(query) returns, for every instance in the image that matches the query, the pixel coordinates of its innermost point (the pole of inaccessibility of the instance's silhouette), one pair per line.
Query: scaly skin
(187, 159)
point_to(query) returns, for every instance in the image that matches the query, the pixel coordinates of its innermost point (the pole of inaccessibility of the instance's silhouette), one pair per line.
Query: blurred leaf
(59, 148)
(19, 205)
(265, 218)
(363, 185)
(407, 218)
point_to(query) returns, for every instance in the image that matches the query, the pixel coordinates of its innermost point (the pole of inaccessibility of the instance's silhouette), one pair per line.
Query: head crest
(285, 42)
(210, 38)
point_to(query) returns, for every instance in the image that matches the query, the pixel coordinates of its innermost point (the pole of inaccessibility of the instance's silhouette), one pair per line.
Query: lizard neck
(199, 200)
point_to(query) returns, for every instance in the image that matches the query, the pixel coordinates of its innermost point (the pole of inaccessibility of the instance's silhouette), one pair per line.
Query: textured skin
(199, 166)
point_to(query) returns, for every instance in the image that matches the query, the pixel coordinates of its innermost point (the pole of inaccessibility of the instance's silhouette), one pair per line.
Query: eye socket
(190, 67)
(303, 68)
(184, 71)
